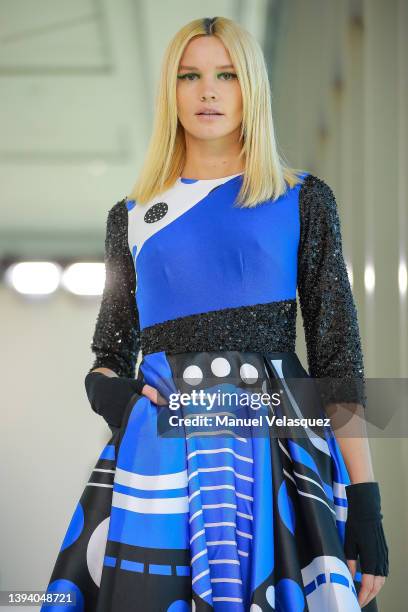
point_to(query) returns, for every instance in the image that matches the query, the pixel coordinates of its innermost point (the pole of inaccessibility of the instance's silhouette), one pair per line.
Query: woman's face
(206, 78)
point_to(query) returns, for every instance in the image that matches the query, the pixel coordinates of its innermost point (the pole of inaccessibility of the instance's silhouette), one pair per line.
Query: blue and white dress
(235, 514)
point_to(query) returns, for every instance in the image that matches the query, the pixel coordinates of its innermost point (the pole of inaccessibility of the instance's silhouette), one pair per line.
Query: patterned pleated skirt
(219, 500)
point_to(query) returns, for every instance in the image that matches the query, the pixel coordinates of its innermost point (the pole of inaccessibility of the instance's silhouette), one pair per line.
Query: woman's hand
(364, 537)
(370, 584)
(153, 395)
(109, 394)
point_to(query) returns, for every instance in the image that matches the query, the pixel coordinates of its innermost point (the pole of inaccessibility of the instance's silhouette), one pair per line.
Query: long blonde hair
(266, 174)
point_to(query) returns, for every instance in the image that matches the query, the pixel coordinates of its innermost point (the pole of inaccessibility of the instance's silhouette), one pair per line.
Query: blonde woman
(196, 504)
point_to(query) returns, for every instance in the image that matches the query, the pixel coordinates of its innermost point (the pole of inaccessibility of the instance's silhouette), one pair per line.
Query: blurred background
(78, 82)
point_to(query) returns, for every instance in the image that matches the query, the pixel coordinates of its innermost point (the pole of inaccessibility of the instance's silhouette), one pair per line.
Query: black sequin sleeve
(329, 314)
(116, 339)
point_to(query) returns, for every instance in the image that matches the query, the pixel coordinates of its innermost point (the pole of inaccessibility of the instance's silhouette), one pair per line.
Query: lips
(208, 111)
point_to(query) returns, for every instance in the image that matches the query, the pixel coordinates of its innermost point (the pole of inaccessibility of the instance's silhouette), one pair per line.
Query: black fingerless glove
(109, 396)
(364, 535)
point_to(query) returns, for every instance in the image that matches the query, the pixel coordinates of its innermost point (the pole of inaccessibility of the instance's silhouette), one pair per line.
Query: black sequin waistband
(259, 328)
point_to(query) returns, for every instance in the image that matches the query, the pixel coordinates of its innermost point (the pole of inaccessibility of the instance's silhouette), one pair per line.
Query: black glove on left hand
(109, 396)
(364, 536)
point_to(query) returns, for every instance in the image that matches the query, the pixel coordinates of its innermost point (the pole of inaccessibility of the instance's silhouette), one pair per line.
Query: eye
(229, 74)
(183, 77)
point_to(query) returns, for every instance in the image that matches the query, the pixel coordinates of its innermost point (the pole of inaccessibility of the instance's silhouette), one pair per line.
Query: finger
(378, 584)
(367, 583)
(159, 399)
(352, 565)
(153, 395)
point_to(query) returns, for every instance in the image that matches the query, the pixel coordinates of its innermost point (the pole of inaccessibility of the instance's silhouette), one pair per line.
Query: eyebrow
(195, 68)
